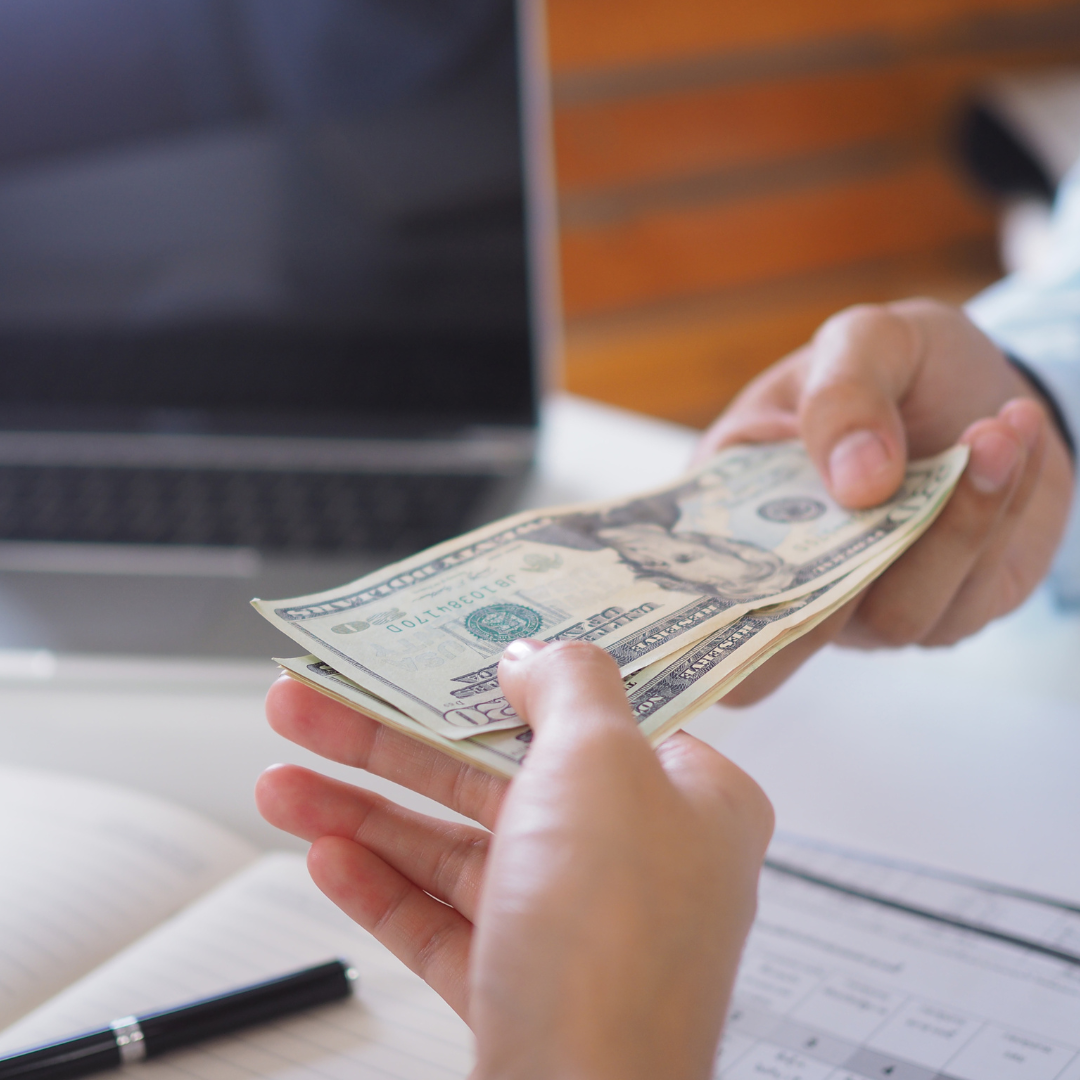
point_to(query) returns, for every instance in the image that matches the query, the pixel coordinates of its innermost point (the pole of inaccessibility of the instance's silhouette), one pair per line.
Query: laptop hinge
(487, 451)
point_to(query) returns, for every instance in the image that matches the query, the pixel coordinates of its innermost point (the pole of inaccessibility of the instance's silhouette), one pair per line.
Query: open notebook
(856, 969)
(113, 903)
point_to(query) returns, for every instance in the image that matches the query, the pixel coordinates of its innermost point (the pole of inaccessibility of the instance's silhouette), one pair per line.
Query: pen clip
(129, 1040)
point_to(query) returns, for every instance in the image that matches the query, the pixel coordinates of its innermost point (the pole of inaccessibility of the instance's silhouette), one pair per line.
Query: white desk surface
(965, 759)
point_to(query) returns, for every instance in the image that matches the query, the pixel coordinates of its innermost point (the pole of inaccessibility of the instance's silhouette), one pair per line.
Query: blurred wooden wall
(733, 171)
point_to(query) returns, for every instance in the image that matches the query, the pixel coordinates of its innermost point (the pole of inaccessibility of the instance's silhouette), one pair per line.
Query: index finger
(335, 731)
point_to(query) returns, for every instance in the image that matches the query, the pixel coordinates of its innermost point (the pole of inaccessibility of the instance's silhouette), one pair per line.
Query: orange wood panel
(645, 139)
(586, 35)
(689, 372)
(681, 250)
(686, 371)
(687, 364)
(733, 172)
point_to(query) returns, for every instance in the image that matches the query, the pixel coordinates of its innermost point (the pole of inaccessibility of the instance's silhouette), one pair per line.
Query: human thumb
(860, 364)
(569, 686)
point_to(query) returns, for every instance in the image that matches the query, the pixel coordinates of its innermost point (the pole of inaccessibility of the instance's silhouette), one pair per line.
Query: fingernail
(856, 459)
(523, 648)
(994, 456)
(1025, 419)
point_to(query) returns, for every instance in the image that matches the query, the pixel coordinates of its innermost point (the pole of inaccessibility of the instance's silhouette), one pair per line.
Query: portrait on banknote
(646, 536)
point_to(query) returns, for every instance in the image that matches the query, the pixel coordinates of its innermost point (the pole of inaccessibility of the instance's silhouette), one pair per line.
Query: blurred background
(732, 173)
(264, 281)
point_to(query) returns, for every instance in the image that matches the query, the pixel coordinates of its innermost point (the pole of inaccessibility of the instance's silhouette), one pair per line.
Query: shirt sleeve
(1035, 316)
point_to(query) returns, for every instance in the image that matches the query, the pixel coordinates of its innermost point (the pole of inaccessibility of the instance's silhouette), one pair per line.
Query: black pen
(135, 1038)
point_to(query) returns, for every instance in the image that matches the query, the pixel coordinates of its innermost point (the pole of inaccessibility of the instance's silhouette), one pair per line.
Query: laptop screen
(261, 215)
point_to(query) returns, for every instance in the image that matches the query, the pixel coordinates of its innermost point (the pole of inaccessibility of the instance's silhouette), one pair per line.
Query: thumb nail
(994, 456)
(856, 460)
(1026, 419)
(522, 649)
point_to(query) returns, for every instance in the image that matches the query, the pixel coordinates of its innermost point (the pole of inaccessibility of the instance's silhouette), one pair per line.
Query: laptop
(273, 297)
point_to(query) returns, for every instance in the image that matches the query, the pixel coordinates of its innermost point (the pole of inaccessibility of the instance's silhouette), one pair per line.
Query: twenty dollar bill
(647, 579)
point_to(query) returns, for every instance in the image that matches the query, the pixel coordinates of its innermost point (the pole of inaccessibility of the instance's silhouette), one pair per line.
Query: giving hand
(876, 387)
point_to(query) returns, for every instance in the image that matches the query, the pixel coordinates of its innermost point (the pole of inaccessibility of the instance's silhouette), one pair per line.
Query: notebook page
(88, 868)
(268, 920)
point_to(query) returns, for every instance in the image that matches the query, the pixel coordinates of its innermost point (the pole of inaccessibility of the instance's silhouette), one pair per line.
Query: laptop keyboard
(325, 512)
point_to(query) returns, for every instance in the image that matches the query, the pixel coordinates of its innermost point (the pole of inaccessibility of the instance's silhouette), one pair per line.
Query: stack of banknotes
(689, 588)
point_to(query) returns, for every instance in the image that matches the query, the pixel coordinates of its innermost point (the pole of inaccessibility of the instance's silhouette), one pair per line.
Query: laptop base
(185, 613)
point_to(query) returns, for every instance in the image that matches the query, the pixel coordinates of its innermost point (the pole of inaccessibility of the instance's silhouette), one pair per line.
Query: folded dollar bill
(663, 697)
(689, 588)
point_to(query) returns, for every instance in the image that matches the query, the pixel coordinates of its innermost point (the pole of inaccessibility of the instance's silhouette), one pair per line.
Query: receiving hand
(597, 930)
(880, 385)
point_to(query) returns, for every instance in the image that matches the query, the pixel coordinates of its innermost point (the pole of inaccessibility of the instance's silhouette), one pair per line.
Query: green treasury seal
(503, 622)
